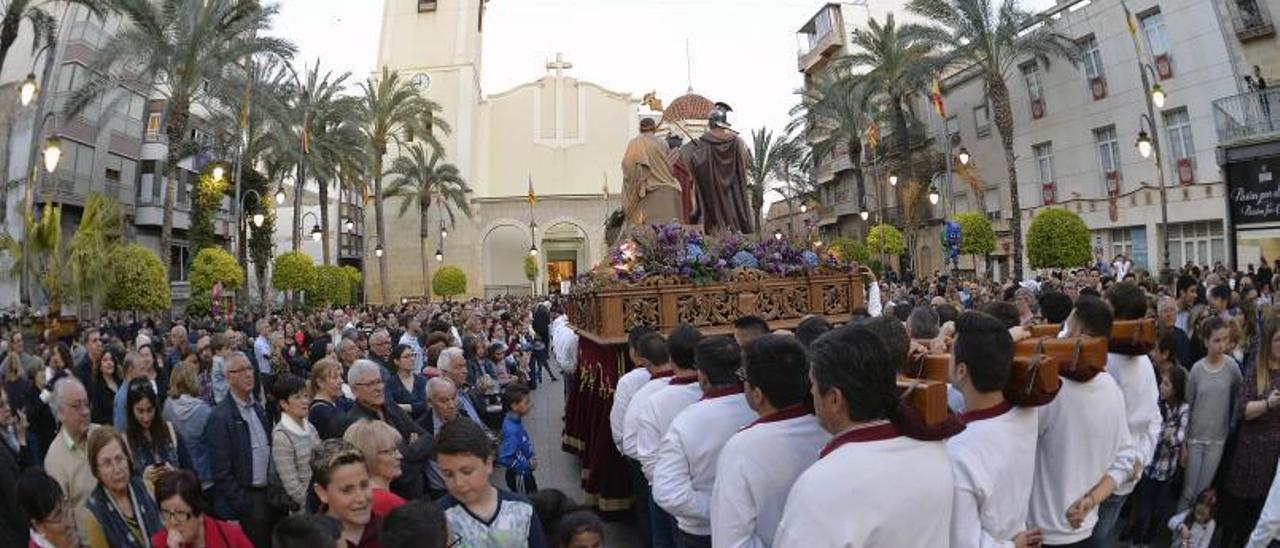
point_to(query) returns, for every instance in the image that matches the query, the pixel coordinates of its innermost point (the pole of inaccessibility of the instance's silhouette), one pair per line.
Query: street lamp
(377, 250)
(933, 195)
(964, 156)
(218, 172)
(444, 232)
(258, 219)
(316, 233)
(804, 208)
(893, 178)
(350, 224)
(1157, 95)
(280, 196)
(864, 214)
(1144, 144)
(28, 90)
(777, 234)
(52, 153)
(533, 250)
(439, 255)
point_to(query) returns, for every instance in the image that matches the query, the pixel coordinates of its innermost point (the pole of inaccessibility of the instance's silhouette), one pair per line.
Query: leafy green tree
(530, 268)
(850, 249)
(832, 115)
(211, 266)
(139, 282)
(44, 25)
(355, 280)
(449, 281)
(993, 39)
(42, 256)
(422, 180)
(332, 286)
(88, 253)
(885, 238)
(294, 271)
(392, 111)
(186, 45)
(976, 234)
(204, 207)
(1058, 238)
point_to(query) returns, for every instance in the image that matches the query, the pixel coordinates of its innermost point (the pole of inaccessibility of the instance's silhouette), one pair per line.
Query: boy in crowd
(477, 512)
(516, 453)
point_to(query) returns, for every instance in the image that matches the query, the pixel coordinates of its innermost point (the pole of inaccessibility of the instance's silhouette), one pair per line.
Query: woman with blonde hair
(189, 414)
(1252, 460)
(380, 445)
(328, 404)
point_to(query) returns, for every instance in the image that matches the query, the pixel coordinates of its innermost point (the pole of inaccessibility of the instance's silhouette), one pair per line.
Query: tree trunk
(1004, 123)
(426, 262)
(299, 188)
(175, 128)
(9, 32)
(378, 150)
(905, 171)
(262, 286)
(324, 220)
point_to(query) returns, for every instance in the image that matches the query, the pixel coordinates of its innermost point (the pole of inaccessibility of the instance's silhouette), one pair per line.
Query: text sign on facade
(1253, 194)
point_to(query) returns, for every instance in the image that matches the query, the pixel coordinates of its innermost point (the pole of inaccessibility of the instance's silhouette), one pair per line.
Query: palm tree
(391, 111)
(994, 40)
(422, 179)
(831, 114)
(899, 60)
(181, 45)
(766, 164)
(42, 255)
(101, 228)
(44, 28)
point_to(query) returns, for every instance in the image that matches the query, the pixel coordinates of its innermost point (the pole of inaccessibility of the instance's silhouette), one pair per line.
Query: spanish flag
(873, 133)
(1133, 28)
(935, 96)
(532, 198)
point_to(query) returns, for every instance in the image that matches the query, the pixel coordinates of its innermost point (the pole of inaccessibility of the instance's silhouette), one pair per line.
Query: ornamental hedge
(213, 265)
(891, 238)
(530, 268)
(293, 271)
(332, 286)
(449, 281)
(976, 235)
(138, 280)
(1058, 238)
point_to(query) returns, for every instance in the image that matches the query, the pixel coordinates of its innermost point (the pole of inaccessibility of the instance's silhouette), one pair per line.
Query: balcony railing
(820, 36)
(1250, 19)
(1248, 116)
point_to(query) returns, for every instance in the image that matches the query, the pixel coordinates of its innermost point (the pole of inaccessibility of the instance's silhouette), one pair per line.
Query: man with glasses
(240, 453)
(68, 460)
(369, 388)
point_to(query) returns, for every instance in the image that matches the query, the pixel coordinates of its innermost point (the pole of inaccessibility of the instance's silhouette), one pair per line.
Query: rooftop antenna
(688, 64)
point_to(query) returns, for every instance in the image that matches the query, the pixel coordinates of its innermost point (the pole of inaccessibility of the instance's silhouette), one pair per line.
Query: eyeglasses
(60, 514)
(175, 515)
(237, 370)
(369, 384)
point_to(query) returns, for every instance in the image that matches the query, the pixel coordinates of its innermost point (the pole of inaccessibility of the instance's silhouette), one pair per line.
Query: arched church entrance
(504, 249)
(565, 255)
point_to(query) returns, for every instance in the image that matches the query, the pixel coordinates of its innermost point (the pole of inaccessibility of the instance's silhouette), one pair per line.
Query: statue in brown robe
(650, 191)
(718, 161)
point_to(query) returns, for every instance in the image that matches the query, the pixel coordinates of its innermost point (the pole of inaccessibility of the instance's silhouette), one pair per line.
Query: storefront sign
(1252, 193)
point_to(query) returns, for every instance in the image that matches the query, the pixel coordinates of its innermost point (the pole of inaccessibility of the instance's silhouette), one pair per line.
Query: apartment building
(1077, 128)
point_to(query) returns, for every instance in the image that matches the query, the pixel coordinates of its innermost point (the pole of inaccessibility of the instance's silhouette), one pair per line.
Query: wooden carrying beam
(1131, 335)
(1033, 379)
(929, 398)
(1078, 357)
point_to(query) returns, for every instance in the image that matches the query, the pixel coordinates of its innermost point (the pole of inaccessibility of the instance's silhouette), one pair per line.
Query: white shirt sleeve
(1268, 527)
(873, 299)
(966, 520)
(618, 415)
(673, 480)
(734, 507)
(648, 440)
(1121, 470)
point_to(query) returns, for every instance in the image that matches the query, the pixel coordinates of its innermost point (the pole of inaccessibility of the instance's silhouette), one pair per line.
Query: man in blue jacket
(240, 454)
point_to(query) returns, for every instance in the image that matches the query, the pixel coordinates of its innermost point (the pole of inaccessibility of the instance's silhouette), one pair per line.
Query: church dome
(689, 106)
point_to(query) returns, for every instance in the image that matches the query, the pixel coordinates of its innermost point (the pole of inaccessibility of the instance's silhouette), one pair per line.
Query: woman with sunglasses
(153, 442)
(182, 506)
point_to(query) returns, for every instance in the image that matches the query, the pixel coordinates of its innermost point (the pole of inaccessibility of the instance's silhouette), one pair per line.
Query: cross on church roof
(559, 65)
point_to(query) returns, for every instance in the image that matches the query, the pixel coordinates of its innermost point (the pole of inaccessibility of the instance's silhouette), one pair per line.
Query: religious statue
(718, 161)
(650, 191)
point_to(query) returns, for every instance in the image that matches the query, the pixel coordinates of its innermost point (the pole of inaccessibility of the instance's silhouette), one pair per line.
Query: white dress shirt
(1137, 380)
(564, 344)
(872, 488)
(628, 385)
(655, 416)
(757, 468)
(993, 461)
(685, 470)
(631, 419)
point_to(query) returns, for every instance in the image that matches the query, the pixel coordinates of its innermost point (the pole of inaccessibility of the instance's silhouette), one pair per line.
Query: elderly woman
(346, 494)
(121, 511)
(52, 521)
(380, 445)
(293, 438)
(408, 388)
(182, 505)
(328, 405)
(371, 403)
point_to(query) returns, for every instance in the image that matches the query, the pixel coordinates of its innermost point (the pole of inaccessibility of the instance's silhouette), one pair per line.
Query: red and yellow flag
(1133, 27)
(532, 198)
(306, 130)
(935, 96)
(873, 133)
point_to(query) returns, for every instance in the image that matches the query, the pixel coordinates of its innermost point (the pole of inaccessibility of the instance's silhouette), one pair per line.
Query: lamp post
(316, 233)
(1154, 96)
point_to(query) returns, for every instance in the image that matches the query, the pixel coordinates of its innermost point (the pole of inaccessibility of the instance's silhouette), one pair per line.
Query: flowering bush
(672, 250)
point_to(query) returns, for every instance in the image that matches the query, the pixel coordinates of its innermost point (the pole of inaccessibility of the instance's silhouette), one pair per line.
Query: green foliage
(332, 286)
(530, 268)
(138, 280)
(885, 238)
(44, 245)
(976, 235)
(850, 249)
(355, 280)
(101, 226)
(1058, 238)
(213, 265)
(208, 198)
(294, 271)
(449, 281)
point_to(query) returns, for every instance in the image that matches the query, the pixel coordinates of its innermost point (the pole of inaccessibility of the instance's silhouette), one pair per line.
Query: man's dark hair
(855, 361)
(514, 393)
(1090, 291)
(947, 312)
(1128, 301)
(778, 366)
(902, 311)
(894, 337)
(575, 523)
(637, 334)
(1055, 306)
(653, 349)
(719, 359)
(811, 328)
(419, 523)
(1004, 311)
(462, 437)
(1185, 281)
(983, 344)
(753, 324)
(38, 495)
(306, 531)
(1220, 292)
(923, 322)
(1094, 315)
(681, 344)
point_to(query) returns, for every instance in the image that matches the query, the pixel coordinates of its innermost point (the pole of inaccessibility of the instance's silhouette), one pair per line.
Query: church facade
(562, 135)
